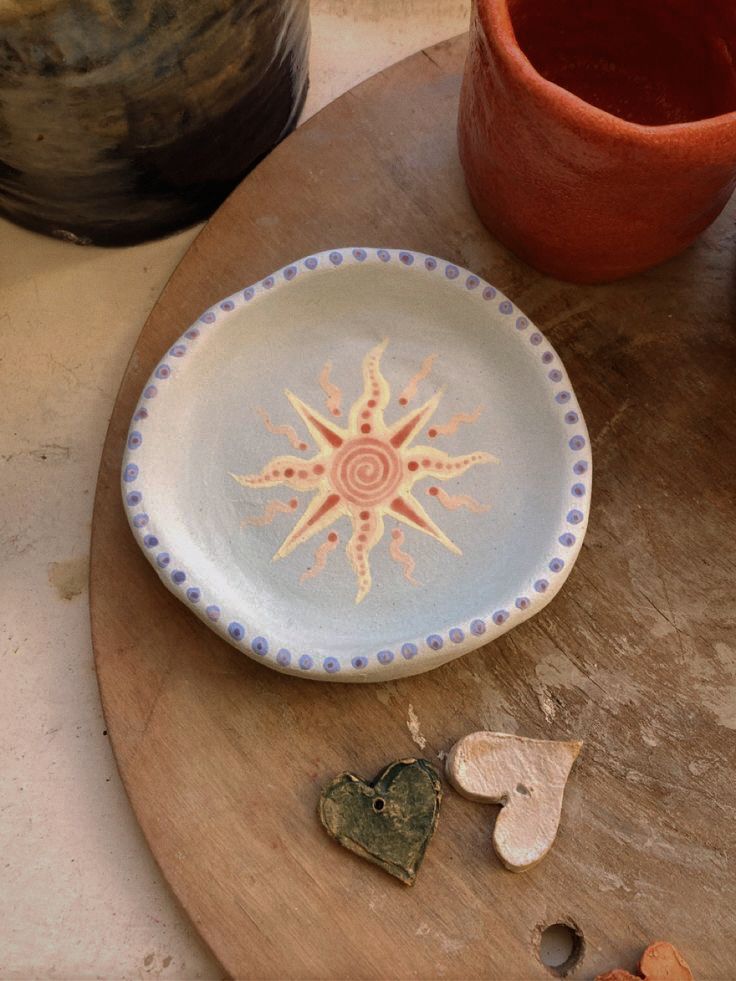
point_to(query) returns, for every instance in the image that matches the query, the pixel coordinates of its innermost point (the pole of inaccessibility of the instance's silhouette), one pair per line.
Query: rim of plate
(443, 642)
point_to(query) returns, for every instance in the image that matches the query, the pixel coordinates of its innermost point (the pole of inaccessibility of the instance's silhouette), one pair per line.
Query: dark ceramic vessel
(599, 138)
(121, 120)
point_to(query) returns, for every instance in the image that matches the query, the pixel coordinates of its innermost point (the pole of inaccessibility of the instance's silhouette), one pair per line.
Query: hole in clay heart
(561, 948)
(378, 804)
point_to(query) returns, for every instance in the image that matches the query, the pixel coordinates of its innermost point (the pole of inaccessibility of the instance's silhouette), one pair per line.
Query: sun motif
(365, 471)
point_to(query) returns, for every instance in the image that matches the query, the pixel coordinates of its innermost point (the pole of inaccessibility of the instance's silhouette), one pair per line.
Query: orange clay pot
(598, 137)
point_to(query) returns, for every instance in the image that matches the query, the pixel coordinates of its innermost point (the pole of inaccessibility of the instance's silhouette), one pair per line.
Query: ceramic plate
(363, 466)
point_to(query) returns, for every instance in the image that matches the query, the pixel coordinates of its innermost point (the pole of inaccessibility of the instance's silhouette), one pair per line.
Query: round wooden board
(223, 759)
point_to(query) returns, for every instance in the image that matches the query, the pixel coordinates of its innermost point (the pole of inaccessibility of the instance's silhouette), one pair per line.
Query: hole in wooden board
(561, 948)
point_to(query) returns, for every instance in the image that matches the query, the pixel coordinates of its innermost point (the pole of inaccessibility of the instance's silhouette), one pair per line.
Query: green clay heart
(388, 822)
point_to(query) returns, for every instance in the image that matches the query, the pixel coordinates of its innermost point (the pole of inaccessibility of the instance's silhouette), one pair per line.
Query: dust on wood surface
(224, 760)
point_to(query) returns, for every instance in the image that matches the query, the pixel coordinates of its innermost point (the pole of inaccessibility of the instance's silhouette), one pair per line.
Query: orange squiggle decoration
(320, 557)
(403, 558)
(448, 428)
(272, 509)
(411, 389)
(287, 431)
(333, 393)
(453, 502)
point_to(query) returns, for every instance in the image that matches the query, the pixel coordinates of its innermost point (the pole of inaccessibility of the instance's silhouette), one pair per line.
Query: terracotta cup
(598, 137)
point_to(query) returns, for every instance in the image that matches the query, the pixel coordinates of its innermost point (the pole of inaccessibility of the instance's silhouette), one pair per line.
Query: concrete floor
(80, 896)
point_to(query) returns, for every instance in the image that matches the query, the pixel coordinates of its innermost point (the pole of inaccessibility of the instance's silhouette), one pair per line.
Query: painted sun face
(365, 471)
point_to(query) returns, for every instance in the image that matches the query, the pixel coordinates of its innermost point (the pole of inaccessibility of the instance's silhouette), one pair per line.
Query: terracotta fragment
(526, 776)
(661, 961)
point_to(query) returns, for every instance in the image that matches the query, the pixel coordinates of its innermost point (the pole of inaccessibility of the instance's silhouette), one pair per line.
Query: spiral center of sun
(366, 471)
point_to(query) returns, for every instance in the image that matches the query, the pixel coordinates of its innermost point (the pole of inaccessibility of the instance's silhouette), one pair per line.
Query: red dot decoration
(434, 491)
(289, 472)
(332, 537)
(302, 474)
(293, 503)
(318, 469)
(365, 428)
(302, 446)
(362, 538)
(364, 515)
(336, 411)
(365, 414)
(396, 533)
(413, 465)
(371, 403)
(432, 433)
(403, 401)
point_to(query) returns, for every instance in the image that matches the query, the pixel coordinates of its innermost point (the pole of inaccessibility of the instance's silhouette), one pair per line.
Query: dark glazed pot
(121, 120)
(598, 137)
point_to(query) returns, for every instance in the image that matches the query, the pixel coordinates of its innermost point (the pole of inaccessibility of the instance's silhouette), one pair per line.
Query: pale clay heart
(526, 776)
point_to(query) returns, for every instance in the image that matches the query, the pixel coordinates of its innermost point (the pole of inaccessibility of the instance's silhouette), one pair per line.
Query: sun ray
(367, 532)
(404, 431)
(288, 431)
(410, 389)
(320, 556)
(366, 413)
(454, 501)
(426, 461)
(448, 428)
(289, 471)
(322, 511)
(403, 558)
(272, 509)
(331, 390)
(407, 509)
(327, 434)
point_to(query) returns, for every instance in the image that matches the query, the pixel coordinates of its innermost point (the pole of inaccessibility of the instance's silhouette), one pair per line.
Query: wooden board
(223, 760)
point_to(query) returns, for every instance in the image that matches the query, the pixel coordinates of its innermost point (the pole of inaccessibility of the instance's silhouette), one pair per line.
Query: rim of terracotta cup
(495, 17)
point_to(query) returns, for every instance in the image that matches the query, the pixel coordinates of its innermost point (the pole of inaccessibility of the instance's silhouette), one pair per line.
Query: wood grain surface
(223, 759)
